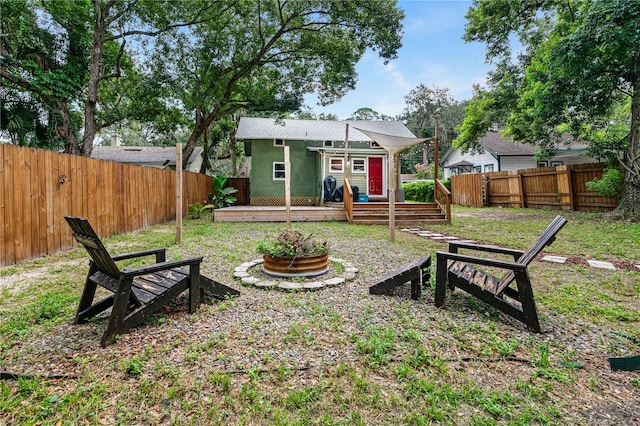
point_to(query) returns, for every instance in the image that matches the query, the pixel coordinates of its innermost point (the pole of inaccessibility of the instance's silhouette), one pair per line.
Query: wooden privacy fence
(559, 187)
(243, 194)
(38, 188)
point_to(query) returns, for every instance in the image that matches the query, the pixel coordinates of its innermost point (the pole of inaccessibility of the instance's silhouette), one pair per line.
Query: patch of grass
(384, 360)
(376, 345)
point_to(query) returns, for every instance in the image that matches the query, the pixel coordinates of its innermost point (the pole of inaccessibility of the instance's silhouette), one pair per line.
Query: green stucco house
(317, 149)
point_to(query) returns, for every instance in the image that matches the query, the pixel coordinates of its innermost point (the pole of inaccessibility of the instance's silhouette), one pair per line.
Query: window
(358, 165)
(278, 171)
(556, 163)
(477, 169)
(328, 144)
(542, 164)
(336, 165)
(278, 142)
(488, 167)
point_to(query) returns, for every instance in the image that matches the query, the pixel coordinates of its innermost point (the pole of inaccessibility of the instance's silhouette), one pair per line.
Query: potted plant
(293, 254)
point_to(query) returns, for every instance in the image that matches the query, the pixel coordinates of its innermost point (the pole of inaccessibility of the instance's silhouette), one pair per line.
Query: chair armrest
(156, 267)
(454, 246)
(142, 253)
(443, 256)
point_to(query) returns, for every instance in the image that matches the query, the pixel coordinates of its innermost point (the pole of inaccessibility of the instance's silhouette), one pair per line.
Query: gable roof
(497, 145)
(154, 156)
(316, 130)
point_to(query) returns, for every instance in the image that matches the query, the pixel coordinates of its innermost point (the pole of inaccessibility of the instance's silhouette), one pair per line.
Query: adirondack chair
(458, 270)
(137, 292)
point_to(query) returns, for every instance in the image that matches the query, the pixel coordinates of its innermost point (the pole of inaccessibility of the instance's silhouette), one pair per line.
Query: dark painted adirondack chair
(457, 270)
(137, 292)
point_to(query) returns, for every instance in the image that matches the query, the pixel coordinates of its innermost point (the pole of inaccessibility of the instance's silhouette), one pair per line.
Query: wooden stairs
(377, 213)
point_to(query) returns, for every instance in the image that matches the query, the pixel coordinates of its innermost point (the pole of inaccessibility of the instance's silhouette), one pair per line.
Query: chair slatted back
(85, 235)
(547, 237)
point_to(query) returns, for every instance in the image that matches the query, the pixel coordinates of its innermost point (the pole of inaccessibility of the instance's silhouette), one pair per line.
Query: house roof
(460, 164)
(495, 144)
(156, 156)
(316, 130)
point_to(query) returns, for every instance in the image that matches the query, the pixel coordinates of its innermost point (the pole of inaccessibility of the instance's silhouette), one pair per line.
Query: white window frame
(327, 144)
(477, 169)
(278, 142)
(274, 170)
(488, 168)
(337, 159)
(364, 166)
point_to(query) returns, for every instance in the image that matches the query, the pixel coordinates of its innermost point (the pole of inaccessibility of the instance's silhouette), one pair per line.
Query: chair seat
(146, 288)
(472, 275)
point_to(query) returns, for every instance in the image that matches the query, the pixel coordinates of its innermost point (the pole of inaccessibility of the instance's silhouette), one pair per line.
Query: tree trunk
(90, 125)
(629, 207)
(63, 127)
(202, 124)
(232, 154)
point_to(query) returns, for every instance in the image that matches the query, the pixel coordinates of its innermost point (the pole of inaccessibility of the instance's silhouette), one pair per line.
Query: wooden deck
(372, 213)
(278, 214)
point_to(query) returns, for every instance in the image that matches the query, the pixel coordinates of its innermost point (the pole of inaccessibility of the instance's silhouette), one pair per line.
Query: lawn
(337, 356)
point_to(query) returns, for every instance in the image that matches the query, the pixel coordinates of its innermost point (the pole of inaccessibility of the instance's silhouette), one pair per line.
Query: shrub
(422, 190)
(610, 185)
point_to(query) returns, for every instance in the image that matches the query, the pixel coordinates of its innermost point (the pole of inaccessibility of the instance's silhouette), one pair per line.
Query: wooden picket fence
(559, 188)
(38, 188)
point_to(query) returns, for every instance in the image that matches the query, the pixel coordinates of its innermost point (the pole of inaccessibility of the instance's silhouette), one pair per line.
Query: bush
(611, 184)
(422, 190)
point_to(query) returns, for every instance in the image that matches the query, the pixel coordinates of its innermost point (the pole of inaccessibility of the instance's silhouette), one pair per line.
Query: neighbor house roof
(316, 130)
(153, 156)
(497, 145)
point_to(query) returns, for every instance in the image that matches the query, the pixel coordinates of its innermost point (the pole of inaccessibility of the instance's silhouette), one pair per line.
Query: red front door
(375, 176)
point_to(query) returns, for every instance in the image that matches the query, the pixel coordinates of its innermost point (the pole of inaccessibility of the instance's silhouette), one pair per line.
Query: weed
(133, 366)
(543, 356)
(376, 345)
(223, 381)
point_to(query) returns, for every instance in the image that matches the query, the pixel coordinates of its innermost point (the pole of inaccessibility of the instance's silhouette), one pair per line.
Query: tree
(369, 114)
(427, 106)
(265, 56)
(43, 68)
(581, 66)
(116, 22)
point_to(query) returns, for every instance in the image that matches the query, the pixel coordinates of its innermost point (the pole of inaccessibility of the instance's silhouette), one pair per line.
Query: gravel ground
(313, 332)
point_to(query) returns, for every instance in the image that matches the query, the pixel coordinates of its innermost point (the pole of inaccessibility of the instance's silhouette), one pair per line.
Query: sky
(433, 53)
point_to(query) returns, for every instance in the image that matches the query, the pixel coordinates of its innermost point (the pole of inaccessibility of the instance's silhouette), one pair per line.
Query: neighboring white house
(502, 155)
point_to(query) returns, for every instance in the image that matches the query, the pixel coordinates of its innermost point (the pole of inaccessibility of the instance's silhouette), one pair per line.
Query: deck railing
(443, 199)
(348, 200)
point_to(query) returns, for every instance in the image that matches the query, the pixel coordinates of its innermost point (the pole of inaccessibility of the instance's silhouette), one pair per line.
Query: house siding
(516, 163)
(511, 162)
(303, 166)
(481, 160)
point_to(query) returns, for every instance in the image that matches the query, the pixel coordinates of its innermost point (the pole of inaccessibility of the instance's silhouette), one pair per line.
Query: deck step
(377, 213)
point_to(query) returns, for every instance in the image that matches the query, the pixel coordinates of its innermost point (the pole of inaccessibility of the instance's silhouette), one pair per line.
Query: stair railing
(442, 198)
(348, 200)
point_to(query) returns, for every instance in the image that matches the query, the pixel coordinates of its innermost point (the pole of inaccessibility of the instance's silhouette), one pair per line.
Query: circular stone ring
(243, 273)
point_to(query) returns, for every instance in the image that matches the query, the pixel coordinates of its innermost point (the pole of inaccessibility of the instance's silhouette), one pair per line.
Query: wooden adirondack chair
(137, 292)
(457, 270)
